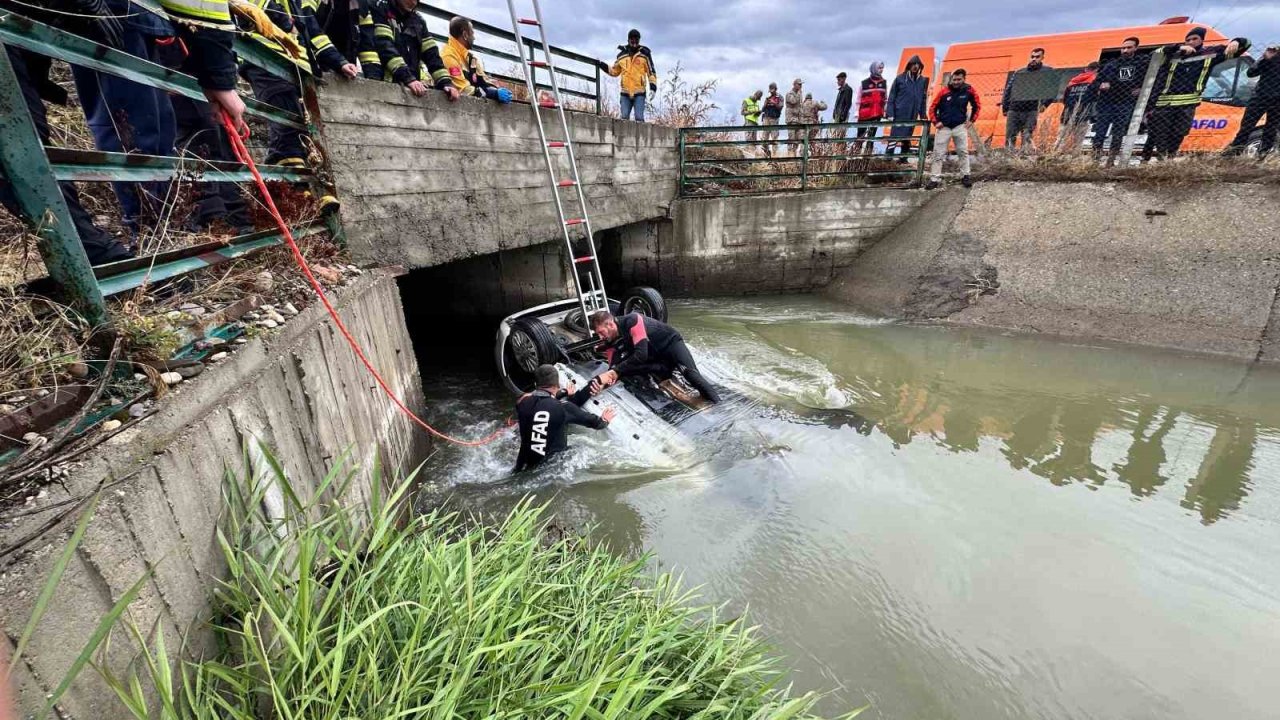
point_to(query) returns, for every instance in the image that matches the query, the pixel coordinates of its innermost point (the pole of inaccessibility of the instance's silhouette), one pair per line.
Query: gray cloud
(746, 44)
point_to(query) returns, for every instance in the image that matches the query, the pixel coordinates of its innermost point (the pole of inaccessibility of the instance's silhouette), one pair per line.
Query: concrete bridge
(459, 192)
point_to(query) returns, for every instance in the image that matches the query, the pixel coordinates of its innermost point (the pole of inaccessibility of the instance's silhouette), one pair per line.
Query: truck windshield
(1228, 84)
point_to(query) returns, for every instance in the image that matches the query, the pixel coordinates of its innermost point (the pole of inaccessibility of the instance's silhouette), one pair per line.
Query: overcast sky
(745, 44)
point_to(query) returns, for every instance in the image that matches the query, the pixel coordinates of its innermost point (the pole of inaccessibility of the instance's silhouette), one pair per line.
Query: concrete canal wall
(784, 243)
(1190, 269)
(424, 181)
(300, 392)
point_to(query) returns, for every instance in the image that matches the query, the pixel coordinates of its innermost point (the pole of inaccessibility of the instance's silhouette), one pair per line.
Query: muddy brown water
(947, 523)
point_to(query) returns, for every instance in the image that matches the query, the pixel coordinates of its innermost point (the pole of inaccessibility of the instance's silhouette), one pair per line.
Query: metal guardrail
(36, 169)
(826, 151)
(486, 33)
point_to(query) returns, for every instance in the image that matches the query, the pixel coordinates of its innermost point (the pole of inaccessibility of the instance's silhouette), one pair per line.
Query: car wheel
(529, 344)
(645, 301)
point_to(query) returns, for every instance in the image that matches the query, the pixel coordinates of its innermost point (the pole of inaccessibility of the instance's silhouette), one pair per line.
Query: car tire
(646, 301)
(529, 344)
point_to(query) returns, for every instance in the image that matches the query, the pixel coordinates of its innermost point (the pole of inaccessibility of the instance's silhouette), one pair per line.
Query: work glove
(604, 66)
(653, 88)
(267, 29)
(502, 95)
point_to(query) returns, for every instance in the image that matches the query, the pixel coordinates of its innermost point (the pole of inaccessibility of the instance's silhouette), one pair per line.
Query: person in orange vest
(873, 96)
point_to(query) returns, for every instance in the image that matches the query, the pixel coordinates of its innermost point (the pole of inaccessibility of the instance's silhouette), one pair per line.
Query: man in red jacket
(952, 118)
(1077, 104)
(872, 99)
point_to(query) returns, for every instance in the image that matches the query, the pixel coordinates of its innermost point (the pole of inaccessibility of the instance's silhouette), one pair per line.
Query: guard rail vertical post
(804, 160)
(24, 163)
(600, 92)
(681, 189)
(923, 158)
(1140, 108)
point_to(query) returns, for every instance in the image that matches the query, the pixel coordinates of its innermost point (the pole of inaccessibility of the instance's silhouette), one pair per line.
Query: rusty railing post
(24, 163)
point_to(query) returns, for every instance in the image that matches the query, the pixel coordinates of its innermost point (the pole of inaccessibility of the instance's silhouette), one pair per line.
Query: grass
(343, 614)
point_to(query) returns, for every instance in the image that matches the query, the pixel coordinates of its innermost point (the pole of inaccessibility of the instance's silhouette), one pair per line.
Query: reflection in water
(952, 524)
(1049, 406)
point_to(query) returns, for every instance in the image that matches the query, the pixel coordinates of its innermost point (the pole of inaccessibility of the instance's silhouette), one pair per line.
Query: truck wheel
(529, 345)
(646, 301)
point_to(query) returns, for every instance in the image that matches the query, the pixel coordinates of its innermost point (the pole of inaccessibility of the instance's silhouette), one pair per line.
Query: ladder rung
(575, 221)
(538, 64)
(566, 183)
(585, 258)
(529, 21)
(555, 144)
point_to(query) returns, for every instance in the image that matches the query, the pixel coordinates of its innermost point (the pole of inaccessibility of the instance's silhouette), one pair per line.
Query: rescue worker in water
(545, 414)
(646, 346)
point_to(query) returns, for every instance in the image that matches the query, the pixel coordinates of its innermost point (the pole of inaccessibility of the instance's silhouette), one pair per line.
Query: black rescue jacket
(642, 342)
(544, 421)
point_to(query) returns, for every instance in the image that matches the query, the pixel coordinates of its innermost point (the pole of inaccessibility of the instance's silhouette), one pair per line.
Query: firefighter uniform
(465, 69)
(285, 146)
(1180, 84)
(406, 49)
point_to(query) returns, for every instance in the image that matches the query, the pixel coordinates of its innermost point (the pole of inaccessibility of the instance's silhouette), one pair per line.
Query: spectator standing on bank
(637, 72)
(908, 100)
(953, 112)
(844, 100)
(1182, 81)
(873, 97)
(1265, 101)
(793, 101)
(809, 113)
(751, 108)
(1119, 84)
(771, 114)
(1022, 116)
(1077, 104)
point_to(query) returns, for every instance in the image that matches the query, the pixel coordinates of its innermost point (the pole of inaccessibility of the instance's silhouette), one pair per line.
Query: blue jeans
(1114, 122)
(633, 102)
(125, 116)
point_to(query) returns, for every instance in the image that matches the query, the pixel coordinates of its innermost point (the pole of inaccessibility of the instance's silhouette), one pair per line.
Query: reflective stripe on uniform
(210, 13)
(368, 57)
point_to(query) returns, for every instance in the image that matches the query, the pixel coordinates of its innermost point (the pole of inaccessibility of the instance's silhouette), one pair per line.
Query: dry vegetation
(49, 356)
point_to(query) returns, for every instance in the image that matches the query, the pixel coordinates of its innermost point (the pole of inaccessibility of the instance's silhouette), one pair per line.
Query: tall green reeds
(344, 615)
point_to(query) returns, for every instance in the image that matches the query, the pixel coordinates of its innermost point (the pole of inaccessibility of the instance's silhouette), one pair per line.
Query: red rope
(243, 154)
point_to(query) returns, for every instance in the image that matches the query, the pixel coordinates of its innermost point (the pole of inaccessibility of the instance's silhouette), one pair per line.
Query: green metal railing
(35, 170)
(717, 160)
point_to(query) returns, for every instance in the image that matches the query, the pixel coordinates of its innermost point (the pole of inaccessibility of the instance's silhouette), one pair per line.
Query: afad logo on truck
(1209, 124)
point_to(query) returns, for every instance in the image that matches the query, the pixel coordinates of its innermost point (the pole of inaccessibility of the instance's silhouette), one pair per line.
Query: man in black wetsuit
(646, 346)
(545, 415)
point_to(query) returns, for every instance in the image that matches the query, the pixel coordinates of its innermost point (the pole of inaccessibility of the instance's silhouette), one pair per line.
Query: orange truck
(990, 63)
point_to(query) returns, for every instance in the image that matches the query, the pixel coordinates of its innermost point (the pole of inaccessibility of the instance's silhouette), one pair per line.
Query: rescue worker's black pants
(1258, 107)
(1166, 130)
(201, 136)
(282, 142)
(678, 357)
(98, 245)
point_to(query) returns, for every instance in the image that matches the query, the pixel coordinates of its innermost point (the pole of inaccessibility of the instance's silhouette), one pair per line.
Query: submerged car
(559, 334)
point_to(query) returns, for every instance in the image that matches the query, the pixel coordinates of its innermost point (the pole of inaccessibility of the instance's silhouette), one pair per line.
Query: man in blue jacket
(953, 112)
(907, 100)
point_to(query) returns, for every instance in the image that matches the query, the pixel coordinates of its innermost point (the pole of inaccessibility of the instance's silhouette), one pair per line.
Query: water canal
(946, 523)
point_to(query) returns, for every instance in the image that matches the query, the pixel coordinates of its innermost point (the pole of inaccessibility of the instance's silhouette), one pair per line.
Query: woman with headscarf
(873, 98)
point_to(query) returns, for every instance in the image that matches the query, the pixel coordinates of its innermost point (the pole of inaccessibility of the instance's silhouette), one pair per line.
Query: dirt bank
(1193, 269)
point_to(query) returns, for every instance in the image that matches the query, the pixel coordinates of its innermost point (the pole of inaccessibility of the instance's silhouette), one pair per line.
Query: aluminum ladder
(584, 264)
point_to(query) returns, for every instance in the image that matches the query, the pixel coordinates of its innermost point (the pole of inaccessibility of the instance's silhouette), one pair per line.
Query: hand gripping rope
(237, 143)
